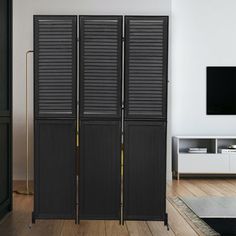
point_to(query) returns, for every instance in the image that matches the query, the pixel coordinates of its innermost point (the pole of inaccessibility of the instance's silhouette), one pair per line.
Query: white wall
(23, 11)
(203, 34)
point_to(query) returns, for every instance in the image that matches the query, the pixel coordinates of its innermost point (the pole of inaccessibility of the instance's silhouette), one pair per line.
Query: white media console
(212, 162)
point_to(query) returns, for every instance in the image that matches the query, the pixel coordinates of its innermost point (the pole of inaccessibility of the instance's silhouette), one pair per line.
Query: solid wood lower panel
(5, 166)
(55, 165)
(100, 170)
(144, 170)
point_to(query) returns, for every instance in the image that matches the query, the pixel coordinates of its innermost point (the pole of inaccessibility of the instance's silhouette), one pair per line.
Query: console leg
(178, 176)
(173, 174)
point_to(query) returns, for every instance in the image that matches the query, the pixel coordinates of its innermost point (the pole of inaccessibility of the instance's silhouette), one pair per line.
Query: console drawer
(204, 163)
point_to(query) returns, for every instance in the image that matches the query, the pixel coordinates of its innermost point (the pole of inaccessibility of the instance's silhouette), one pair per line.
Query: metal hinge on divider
(77, 175)
(77, 221)
(77, 133)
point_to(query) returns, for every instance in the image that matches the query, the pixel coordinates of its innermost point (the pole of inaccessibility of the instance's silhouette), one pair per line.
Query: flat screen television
(221, 90)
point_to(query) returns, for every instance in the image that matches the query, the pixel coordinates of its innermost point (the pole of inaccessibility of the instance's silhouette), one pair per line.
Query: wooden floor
(19, 222)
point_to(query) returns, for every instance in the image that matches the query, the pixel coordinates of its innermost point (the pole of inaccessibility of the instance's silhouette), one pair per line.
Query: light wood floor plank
(204, 186)
(113, 228)
(228, 188)
(18, 221)
(193, 188)
(231, 183)
(45, 227)
(178, 224)
(69, 228)
(220, 188)
(178, 189)
(158, 229)
(138, 228)
(17, 224)
(92, 228)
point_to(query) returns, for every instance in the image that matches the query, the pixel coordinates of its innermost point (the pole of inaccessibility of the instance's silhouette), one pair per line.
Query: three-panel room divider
(100, 117)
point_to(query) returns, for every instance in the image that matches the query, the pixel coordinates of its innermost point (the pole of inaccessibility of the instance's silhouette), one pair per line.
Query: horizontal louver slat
(55, 58)
(100, 66)
(146, 67)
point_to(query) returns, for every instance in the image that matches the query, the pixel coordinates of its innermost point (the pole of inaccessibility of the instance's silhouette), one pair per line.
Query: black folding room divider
(117, 108)
(100, 116)
(55, 66)
(146, 48)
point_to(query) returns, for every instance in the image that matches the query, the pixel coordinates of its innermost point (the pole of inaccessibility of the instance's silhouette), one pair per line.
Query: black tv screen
(221, 90)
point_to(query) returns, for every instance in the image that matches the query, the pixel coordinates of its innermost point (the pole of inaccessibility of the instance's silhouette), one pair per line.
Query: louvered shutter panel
(100, 66)
(55, 81)
(146, 45)
(100, 116)
(146, 67)
(55, 66)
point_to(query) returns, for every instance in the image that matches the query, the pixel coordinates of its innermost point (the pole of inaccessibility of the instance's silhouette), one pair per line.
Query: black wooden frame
(62, 118)
(6, 115)
(81, 108)
(148, 120)
(100, 119)
(165, 72)
(162, 181)
(101, 123)
(6, 205)
(36, 213)
(74, 95)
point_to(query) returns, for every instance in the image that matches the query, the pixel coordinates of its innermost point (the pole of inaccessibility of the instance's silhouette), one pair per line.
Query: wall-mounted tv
(221, 90)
